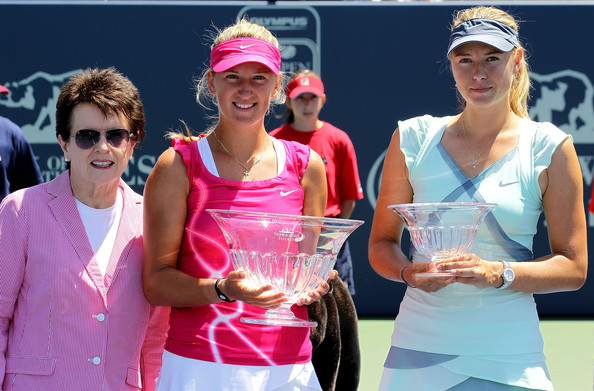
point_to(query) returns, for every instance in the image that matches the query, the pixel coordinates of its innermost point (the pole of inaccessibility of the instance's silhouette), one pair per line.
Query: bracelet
(221, 295)
(403, 280)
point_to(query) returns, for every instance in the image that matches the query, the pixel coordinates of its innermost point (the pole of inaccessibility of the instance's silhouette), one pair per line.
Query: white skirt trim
(410, 369)
(185, 374)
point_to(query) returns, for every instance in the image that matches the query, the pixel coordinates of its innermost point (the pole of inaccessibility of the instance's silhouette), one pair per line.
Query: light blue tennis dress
(463, 337)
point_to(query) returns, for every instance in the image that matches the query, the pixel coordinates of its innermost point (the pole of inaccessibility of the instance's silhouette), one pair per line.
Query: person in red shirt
(305, 99)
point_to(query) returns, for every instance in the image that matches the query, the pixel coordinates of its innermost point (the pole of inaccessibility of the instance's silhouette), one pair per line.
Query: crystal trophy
(292, 253)
(442, 230)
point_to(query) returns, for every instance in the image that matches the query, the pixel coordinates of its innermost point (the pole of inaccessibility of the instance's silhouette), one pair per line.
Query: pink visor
(3, 90)
(303, 84)
(237, 51)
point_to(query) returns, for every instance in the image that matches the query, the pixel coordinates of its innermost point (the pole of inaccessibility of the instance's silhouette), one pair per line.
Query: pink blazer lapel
(64, 209)
(130, 227)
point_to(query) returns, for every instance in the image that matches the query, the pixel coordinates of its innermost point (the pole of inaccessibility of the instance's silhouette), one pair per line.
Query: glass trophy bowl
(292, 253)
(442, 230)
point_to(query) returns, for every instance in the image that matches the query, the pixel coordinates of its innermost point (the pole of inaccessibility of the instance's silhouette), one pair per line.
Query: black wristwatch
(221, 295)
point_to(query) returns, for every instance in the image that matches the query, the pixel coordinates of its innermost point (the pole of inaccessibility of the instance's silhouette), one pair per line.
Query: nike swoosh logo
(502, 184)
(286, 193)
(246, 46)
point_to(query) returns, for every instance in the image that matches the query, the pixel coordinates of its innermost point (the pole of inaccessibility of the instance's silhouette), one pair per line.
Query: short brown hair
(110, 91)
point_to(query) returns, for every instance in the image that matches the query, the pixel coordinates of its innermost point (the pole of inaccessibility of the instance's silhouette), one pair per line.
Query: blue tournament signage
(298, 29)
(381, 62)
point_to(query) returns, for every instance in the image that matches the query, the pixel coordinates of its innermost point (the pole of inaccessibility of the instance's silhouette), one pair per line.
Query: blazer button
(95, 360)
(100, 317)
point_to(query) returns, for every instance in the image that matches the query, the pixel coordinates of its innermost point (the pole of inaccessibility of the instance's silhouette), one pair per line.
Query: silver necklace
(246, 170)
(477, 156)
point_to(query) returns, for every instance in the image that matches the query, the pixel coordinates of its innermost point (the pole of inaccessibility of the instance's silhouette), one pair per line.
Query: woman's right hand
(237, 287)
(427, 284)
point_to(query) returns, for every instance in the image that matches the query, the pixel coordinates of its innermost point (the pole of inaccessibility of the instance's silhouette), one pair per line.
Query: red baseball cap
(303, 84)
(3, 90)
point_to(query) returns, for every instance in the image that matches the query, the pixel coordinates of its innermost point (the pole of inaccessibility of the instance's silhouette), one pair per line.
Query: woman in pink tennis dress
(235, 165)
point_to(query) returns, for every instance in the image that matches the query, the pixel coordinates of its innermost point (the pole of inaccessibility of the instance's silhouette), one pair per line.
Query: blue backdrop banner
(381, 62)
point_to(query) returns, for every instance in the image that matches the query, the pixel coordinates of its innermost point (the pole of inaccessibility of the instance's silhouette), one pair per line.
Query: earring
(516, 78)
(66, 159)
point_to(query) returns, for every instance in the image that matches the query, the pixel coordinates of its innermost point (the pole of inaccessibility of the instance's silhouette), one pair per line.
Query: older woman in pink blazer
(72, 311)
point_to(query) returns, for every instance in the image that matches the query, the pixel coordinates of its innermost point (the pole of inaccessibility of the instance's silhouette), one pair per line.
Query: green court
(569, 347)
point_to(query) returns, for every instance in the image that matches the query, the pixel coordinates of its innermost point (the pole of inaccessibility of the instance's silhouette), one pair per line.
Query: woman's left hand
(471, 270)
(323, 288)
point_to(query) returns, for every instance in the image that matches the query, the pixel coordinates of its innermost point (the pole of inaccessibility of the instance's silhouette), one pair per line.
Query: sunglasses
(87, 138)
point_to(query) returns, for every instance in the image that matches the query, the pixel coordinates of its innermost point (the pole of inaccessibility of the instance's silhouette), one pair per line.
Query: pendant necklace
(246, 170)
(477, 156)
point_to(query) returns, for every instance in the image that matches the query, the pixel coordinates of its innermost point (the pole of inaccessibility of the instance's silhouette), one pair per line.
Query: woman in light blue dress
(477, 329)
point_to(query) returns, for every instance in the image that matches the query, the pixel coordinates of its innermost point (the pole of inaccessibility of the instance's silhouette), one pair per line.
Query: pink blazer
(63, 326)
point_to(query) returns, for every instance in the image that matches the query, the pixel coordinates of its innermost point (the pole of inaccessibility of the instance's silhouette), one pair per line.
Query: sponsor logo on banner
(297, 30)
(32, 105)
(565, 98)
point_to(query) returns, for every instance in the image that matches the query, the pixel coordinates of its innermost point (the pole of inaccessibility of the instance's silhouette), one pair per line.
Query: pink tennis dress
(214, 332)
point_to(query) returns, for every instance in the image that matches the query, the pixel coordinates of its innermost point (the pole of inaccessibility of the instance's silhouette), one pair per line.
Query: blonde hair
(520, 89)
(243, 28)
